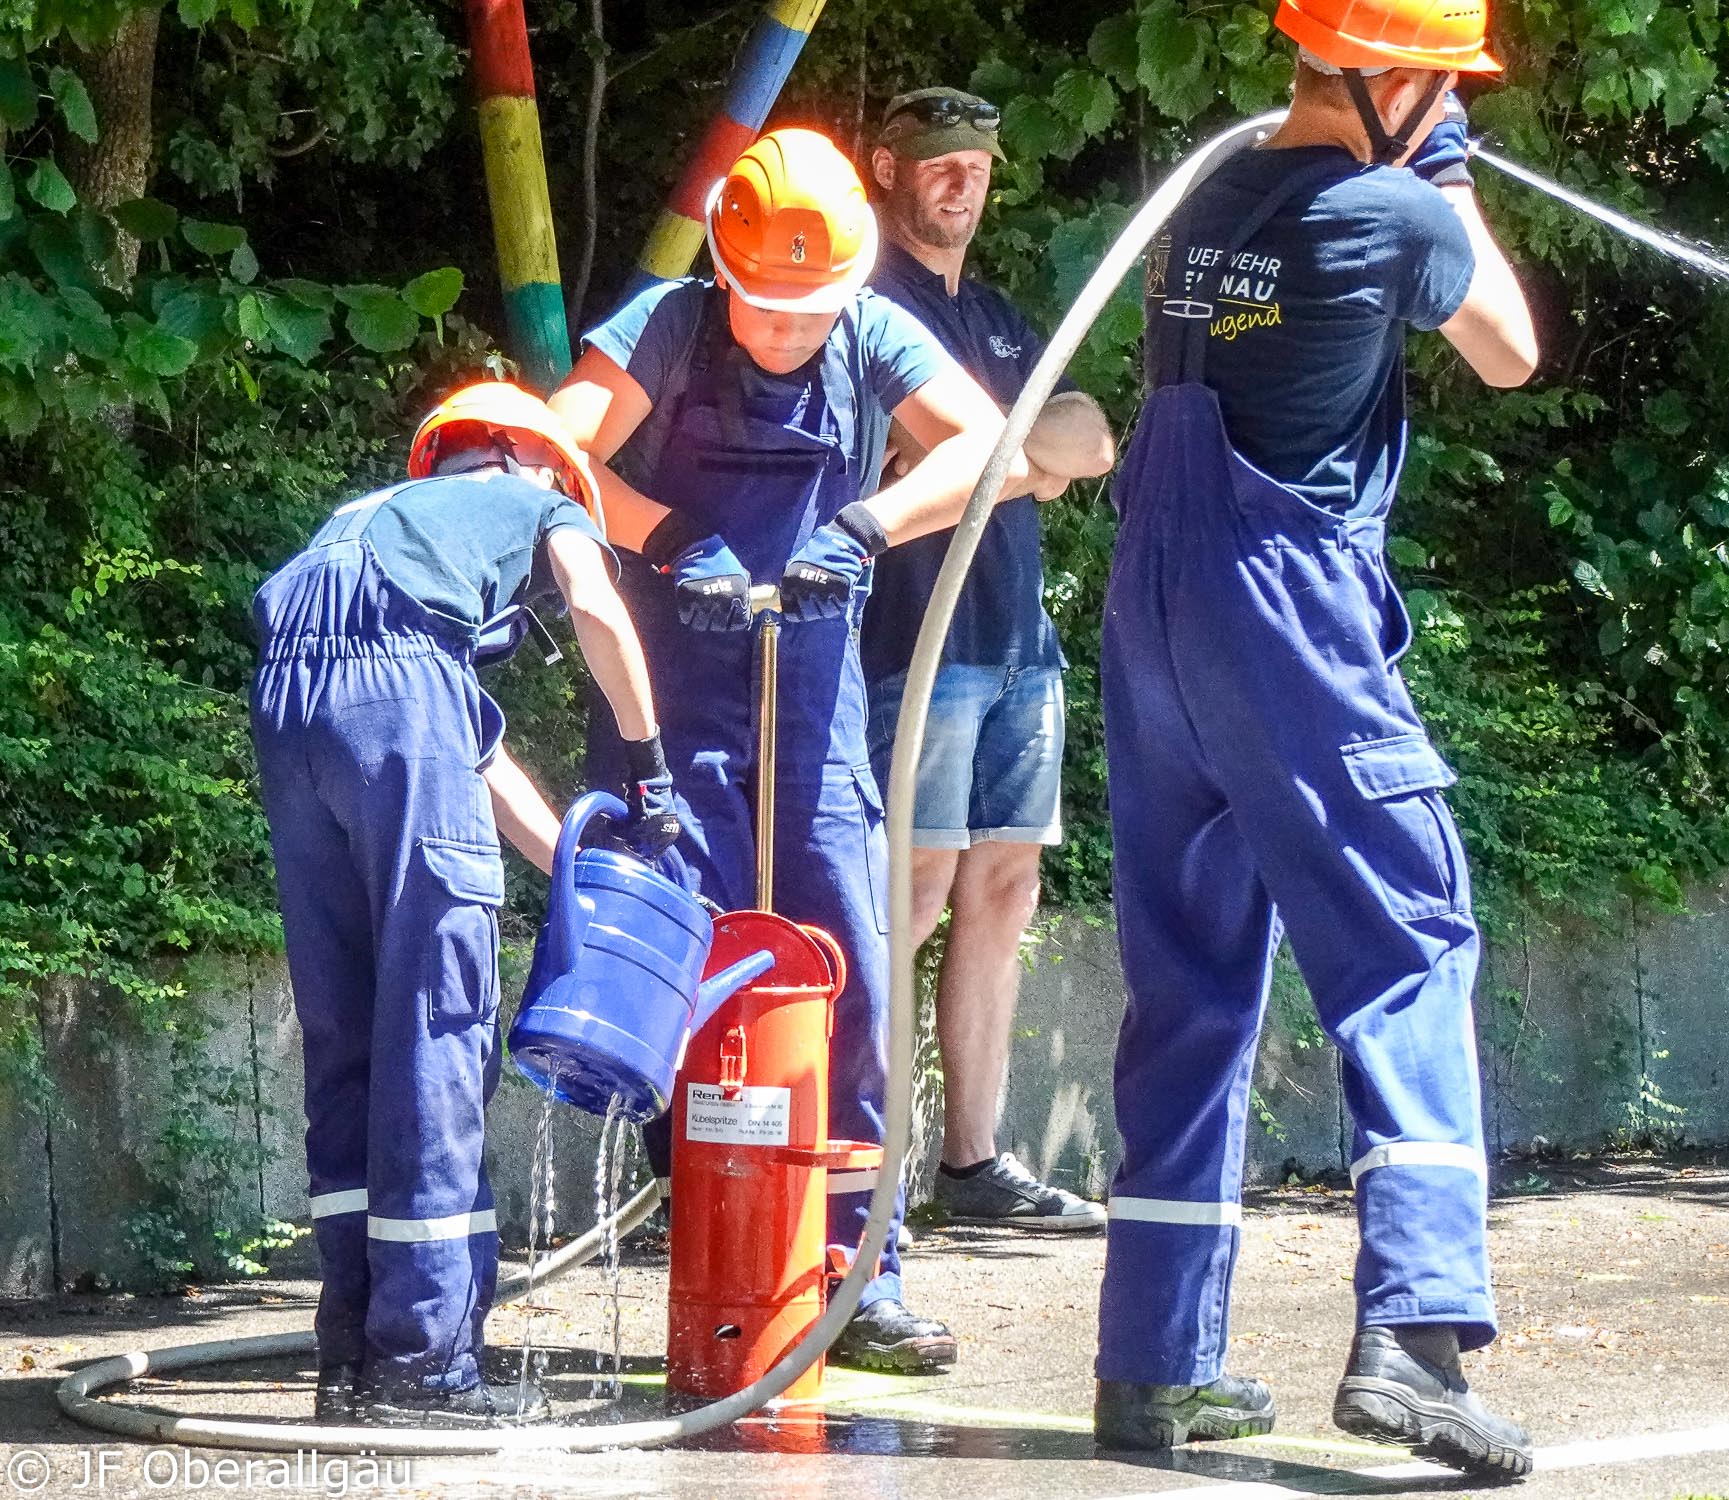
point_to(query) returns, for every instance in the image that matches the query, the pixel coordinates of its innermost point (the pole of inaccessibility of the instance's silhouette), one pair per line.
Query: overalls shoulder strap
(1183, 350)
(349, 521)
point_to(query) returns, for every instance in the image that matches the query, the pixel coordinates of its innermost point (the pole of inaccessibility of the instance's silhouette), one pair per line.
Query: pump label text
(755, 1117)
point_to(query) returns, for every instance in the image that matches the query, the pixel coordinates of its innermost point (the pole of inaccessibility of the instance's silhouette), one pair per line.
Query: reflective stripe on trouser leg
(398, 832)
(1284, 629)
(432, 1235)
(328, 939)
(1195, 929)
(1263, 749)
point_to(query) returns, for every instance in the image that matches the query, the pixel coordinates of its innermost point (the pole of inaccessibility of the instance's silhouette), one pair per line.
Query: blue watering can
(614, 994)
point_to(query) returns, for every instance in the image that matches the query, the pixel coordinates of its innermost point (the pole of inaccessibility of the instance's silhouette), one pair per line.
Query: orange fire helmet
(495, 413)
(789, 226)
(1445, 35)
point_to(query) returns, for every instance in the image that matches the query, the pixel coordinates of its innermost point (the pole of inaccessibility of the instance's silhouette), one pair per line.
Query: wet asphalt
(1613, 1279)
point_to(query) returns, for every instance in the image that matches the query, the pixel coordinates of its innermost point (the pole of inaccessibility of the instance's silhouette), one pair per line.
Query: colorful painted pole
(763, 63)
(516, 188)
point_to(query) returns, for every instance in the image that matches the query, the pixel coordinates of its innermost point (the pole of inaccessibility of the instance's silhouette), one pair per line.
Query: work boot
(1127, 1414)
(338, 1399)
(507, 1404)
(1002, 1191)
(885, 1336)
(1404, 1385)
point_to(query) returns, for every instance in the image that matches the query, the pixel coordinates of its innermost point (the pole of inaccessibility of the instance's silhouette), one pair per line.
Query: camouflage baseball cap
(934, 122)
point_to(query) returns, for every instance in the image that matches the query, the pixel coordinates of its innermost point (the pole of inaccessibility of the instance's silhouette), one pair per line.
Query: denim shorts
(991, 771)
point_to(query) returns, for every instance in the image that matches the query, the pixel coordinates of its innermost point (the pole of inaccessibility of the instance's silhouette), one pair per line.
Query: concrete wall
(1585, 1031)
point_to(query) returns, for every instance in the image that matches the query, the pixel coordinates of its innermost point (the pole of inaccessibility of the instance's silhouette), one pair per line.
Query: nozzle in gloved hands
(821, 575)
(654, 826)
(711, 584)
(1443, 156)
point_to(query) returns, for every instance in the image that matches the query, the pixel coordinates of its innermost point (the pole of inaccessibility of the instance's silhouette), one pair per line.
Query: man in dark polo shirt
(988, 788)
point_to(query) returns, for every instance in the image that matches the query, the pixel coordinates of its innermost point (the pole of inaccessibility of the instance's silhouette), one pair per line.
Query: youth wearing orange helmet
(737, 429)
(386, 785)
(1269, 772)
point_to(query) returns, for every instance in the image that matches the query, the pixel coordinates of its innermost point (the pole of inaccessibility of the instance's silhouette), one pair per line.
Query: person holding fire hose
(386, 785)
(1267, 768)
(738, 428)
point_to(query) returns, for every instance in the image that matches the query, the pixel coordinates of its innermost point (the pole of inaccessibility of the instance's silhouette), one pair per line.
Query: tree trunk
(590, 163)
(120, 75)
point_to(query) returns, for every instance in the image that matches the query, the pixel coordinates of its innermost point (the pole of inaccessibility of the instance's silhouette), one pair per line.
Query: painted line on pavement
(1589, 1454)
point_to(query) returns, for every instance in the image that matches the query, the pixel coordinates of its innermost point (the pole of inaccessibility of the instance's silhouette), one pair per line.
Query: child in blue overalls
(1267, 767)
(738, 427)
(387, 786)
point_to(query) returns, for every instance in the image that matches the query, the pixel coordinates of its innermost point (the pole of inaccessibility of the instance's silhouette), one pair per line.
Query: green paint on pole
(538, 335)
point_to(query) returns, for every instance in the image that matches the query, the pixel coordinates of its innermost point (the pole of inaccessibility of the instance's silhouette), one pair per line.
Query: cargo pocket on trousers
(463, 887)
(876, 855)
(1410, 844)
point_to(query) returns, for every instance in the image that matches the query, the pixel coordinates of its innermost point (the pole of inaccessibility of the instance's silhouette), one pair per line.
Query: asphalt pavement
(1613, 1278)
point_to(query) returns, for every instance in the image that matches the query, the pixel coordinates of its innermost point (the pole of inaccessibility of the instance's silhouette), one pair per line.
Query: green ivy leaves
(200, 307)
(74, 101)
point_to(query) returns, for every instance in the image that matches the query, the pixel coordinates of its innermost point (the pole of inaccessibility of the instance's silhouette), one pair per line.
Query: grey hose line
(76, 1393)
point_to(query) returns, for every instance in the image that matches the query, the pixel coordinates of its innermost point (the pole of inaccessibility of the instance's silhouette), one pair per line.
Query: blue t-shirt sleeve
(1426, 255)
(901, 354)
(648, 336)
(565, 512)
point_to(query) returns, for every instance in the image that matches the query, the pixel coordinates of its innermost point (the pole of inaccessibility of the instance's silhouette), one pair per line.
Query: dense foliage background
(244, 242)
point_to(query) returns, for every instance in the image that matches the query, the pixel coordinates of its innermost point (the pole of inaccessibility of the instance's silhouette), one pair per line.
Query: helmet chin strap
(1386, 148)
(498, 452)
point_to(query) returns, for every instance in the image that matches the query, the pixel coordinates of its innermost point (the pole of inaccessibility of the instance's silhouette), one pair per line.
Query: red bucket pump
(750, 1147)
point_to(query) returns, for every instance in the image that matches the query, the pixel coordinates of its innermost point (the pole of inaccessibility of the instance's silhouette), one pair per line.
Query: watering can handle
(562, 922)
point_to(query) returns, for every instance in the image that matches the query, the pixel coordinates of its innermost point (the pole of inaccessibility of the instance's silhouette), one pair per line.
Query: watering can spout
(716, 990)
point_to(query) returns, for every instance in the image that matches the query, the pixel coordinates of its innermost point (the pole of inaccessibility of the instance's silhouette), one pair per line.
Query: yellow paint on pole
(800, 15)
(672, 246)
(516, 184)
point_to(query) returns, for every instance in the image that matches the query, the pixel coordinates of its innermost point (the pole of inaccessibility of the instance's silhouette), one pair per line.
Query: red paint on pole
(725, 142)
(498, 32)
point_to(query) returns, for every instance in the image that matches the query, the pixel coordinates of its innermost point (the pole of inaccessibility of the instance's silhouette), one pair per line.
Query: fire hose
(78, 1393)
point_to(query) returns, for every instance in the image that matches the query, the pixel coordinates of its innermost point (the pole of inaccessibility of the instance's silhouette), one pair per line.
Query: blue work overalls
(764, 478)
(371, 729)
(1267, 765)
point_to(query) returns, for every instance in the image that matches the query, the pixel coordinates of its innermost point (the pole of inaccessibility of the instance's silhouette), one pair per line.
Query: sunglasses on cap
(949, 112)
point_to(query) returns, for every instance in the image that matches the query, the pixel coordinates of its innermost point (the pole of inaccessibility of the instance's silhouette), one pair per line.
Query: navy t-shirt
(886, 354)
(467, 546)
(1306, 323)
(1000, 619)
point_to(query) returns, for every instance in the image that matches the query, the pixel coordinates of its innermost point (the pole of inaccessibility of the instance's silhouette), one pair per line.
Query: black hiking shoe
(885, 1336)
(338, 1398)
(1004, 1192)
(1390, 1395)
(1127, 1414)
(506, 1404)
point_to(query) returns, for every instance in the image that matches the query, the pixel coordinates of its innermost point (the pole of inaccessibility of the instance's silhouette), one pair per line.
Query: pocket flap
(1397, 766)
(470, 872)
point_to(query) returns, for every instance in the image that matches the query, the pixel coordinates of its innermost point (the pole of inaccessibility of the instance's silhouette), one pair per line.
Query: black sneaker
(1005, 1192)
(338, 1398)
(1390, 1395)
(885, 1336)
(506, 1404)
(1127, 1414)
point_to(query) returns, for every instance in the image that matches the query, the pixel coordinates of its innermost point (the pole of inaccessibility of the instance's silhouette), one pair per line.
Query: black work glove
(653, 827)
(711, 585)
(821, 575)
